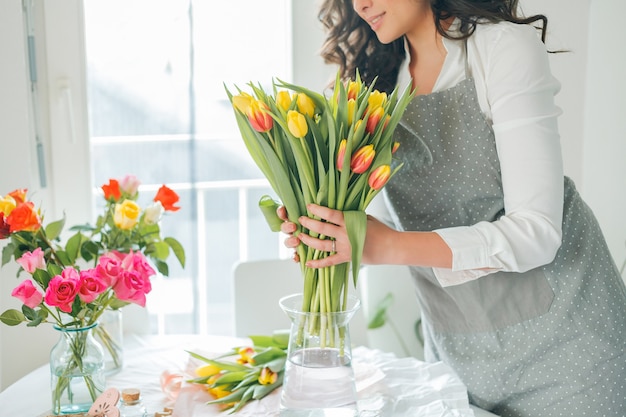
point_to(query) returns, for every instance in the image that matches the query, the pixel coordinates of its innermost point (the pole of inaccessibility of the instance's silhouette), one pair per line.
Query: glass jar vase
(110, 334)
(77, 370)
(319, 379)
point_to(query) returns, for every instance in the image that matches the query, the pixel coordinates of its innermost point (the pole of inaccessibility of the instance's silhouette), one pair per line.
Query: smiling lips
(374, 22)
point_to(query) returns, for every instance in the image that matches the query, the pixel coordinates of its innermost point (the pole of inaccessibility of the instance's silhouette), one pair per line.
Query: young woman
(518, 291)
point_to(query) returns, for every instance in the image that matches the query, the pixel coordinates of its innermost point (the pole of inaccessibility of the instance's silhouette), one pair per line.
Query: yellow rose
(7, 204)
(126, 214)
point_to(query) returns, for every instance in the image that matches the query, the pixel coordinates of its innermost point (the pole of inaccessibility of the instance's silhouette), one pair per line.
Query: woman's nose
(360, 5)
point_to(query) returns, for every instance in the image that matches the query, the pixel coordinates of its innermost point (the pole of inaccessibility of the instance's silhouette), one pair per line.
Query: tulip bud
(242, 102)
(351, 110)
(259, 117)
(374, 119)
(283, 99)
(305, 104)
(296, 122)
(353, 90)
(267, 376)
(362, 159)
(376, 99)
(379, 177)
(341, 154)
(395, 147)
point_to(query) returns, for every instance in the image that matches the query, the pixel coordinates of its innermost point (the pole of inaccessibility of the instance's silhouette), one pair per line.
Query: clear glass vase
(319, 379)
(77, 370)
(110, 334)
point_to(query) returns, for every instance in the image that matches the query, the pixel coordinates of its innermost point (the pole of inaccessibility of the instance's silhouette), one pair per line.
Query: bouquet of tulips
(248, 373)
(333, 151)
(106, 266)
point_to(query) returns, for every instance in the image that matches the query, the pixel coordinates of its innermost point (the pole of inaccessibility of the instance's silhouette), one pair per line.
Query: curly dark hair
(352, 44)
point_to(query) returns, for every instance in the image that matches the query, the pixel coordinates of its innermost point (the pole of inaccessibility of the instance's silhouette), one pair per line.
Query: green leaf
(7, 253)
(42, 278)
(12, 317)
(232, 377)
(73, 246)
(380, 312)
(356, 226)
(159, 250)
(177, 248)
(267, 355)
(268, 207)
(162, 267)
(227, 366)
(54, 229)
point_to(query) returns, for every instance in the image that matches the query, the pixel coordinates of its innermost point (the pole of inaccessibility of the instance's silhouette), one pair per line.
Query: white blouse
(516, 92)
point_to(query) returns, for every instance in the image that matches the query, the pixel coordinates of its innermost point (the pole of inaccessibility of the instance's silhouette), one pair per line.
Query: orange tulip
(259, 117)
(112, 190)
(362, 159)
(24, 217)
(245, 355)
(373, 120)
(168, 198)
(341, 153)
(379, 177)
(353, 90)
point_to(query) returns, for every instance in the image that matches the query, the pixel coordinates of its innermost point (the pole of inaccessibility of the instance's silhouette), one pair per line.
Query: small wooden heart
(106, 404)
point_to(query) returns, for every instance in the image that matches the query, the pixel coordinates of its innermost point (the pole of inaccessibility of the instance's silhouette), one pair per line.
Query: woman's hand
(332, 226)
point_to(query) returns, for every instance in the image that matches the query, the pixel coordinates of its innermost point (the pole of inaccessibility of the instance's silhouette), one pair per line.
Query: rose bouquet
(106, 266)
(334, 151)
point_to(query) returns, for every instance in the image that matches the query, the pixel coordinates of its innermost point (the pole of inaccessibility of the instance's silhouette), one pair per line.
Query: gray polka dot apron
(547, 342)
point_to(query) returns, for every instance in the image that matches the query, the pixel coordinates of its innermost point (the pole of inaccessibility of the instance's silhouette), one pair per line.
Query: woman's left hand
(333, 227)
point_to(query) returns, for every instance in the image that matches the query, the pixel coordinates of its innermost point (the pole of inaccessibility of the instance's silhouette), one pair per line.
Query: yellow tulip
(296, 122)
(207, 370)
(376, 99)
(305, 104)
(242, 102)
(283, 99)
(267, 376)
(351, 110)
(126, 214)
(245, 355)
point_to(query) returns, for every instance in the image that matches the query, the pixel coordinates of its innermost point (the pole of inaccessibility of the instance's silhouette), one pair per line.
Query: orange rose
(168, 198)
(19, 195)
(112, 190)
(24, 218)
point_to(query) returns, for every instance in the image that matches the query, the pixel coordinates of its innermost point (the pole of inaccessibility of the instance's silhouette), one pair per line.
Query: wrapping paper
(386, 386)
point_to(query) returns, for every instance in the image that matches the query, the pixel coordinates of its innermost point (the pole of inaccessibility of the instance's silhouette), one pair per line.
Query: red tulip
(379, 177)
(362, 159)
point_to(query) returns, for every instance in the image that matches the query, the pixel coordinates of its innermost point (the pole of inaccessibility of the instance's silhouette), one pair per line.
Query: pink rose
(28, 294)
(131, 286)
(91, 285)
(141, 265)
(109, 267)
(62, 290)
(129, 185)
(31, 261)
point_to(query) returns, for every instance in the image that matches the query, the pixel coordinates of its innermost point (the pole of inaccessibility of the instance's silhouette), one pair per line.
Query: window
(158, 109)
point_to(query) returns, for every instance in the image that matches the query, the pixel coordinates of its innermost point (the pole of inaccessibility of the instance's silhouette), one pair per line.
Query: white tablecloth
(146, 357)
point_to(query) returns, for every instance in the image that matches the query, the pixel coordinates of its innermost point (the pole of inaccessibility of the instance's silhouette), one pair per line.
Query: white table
(145, 358)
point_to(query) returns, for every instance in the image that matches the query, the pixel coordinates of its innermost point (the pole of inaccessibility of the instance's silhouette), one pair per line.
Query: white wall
(604, 148)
